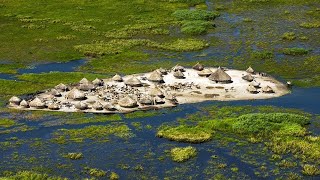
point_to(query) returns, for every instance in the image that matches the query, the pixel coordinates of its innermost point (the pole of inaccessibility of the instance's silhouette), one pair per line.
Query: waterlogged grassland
(181, 154)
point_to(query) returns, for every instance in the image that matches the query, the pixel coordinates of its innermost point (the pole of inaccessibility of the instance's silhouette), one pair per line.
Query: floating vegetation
(262, 55)
(114, 176)
(190, 2)
(310, 25)
(310, 170)
(295, 51)
(197, 14)
(31, 175)
(195, 27)
(93, 119)
(96, 172)
(7, 123)
(289, 36)
(183, 154)
(142, 114)
(74, 156)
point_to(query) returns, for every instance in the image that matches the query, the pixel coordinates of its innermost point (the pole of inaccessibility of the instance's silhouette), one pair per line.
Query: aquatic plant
(114, 176)
(198, 14)
(31, 175)
(183, 154)
(190, 2)
(195, 27)
(295, 51)
(310, 170)
(96, 172)
(141, 114)
(310, 25)
(74, 156)
(289, 36)
(7, 123)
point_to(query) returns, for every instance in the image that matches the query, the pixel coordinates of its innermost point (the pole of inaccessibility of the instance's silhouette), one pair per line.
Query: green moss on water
(5, 123)
(142, 114)
(181, 154)
(114, 176)
(310, 170)
(295, 51)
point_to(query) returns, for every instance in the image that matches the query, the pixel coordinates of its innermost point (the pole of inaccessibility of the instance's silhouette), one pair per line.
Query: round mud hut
(220, 76)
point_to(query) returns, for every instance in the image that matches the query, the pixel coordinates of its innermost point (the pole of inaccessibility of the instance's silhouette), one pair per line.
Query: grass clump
(141, 114)
(96, 172)
(310, 170)
(295, 51)
(7, 123)
(31, 175)
(197, 14)
(183, 154)
(195, 27)
(310, 25)
(10, 68)
(289, 36)
(185, 134)
(114, 176)
(262, 55)
(189, 2)
(74, 156)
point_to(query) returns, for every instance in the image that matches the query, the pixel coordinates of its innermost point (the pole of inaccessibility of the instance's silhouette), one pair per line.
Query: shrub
(198, 14)
(183, 154)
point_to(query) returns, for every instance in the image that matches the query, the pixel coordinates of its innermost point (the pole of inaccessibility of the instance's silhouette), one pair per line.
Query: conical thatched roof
(55, 93)
(198, 67)
(87, 87)
(133, 82)
(127, 102)
(76, 94)
(178, 74)
(255, 84)
(145, 101)
(110, 107)
(178, 68)
(155, 76)
(81, 105)
(248, 77)
(156, 92)
(24, 104)
(162, 71)
(252, 89)
(220, 76)
(97, 106)
(159, 100)
(267, 89)
(37, 103)
(84, 81)
(97, 82)
(250, 70)
(61, 87)
(205, 72)
(53, 106)
(117, 78)
(15, 100)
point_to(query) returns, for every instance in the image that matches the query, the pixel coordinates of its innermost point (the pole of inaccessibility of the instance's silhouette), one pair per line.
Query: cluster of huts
(118, 93)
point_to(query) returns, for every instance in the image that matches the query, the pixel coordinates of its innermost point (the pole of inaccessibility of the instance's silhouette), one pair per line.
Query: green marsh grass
(181, 154)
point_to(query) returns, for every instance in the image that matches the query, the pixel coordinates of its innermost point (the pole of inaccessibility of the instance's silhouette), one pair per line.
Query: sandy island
(158, 89)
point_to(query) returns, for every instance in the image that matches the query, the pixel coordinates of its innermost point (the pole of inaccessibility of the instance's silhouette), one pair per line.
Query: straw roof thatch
(255, 84)
(75, 94)
(84, 81)
(127, 102)
(162, 71)
(135, 82)
(15, 100)
(37, 103)
(178, 68)
(178, 74)
(87, 87)
(97, 106)
(198, 67)
(110, 107)
(24, 104)
(205, 72)
(55, 93)
(145, 101)
(97, 82)
(267, 89)
(61, 87)
(220, 76)
(53, 106)
(156, 92)
(159, 100)
(155, 76)
(81, 105)
(252, 89)
(117, 78)
(248, 77)
(250, 70)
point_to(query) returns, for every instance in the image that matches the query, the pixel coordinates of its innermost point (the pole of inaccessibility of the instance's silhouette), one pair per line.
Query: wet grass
(10, 68)
(30, 175)
(181, 154)
(295, 51)
(141, 114)
(5, 123)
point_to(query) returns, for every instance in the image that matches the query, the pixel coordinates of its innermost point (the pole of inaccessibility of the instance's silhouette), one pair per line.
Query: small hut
(267, 89)
(87, 87)
(178, 68)
(248, 77)
(81, 105)
(220, 76)
(145, 101)
(37, 103)
(97, 106)
(75, 94)
(14, 101)
(252, 89)
(255, 84)
(84, 81)
(178, 75)
(55, 93)
(156, 92)
(162, 71)
(110, 107)
(158, 100)
(127, 102)
(250, 70)
(198, 67)
(24, 104)
(134, 82)
(117, 78)
(61, 87)
(205, 72)
(53, 106)
(155, 76)
(97, 82)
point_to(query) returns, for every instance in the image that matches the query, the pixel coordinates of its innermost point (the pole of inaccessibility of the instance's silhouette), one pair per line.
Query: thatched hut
(134, 82)
(250, 70)
(61, 87)
(158, 100)
(24, 104)
(178, 75)
(205, 72)
(81, 105)
(97, 82)
(162, 71)
(117, 78)
(75, 94)
(97, 106)
(255, 84)
(14, 100)
(145, 101)
(37, 103)
(127, 102)
(248, 77)
(109, 106)
(252, 89)
(55, 93)
(53, 106)
(198, 67)
(178, 68)
(84, 81)
(87, 87)
(267, 89)
(220, 76)
(155, 76)
(156, 92)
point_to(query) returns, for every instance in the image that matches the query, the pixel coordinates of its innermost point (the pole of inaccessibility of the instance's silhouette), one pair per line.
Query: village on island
(158, 89)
